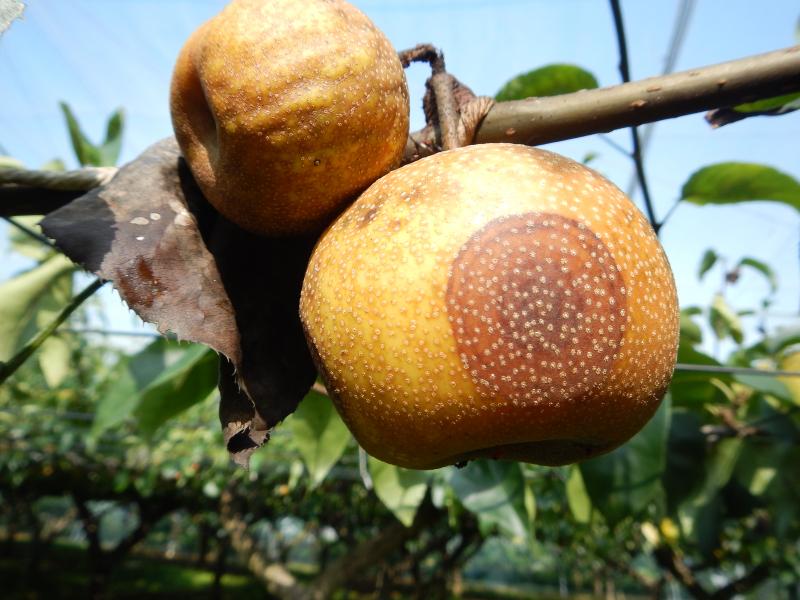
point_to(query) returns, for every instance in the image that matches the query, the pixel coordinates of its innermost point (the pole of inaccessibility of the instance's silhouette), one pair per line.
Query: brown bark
(535, 121)
(370, 552)
(276, 578)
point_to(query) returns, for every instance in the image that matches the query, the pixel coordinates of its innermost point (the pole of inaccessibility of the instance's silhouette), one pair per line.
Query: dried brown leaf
(181, 265)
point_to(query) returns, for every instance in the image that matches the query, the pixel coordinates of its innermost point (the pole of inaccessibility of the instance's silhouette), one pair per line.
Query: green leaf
(109, 151)
(26, 245)
(55, 357)
(181, 385)
(318, 434)
(55, 354)
(690, 331)
(87, 153)
(791, 362)
(400, 490)
(762, 268)
(577, 497)
(550, 80)
(694, 388)
(21, 299)
(724, 320)
(782, 338)
(709, 260)
(624, 482)
(767, 385)
(699, 512)
(589, 157)
(10, 161)
(768, 470)
(725, 183)
(54, 164)
(684, 471)
(496, 492)
(775, 105)
(125, 385)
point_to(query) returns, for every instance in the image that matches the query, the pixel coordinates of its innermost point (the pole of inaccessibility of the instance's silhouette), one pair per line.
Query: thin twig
(636, 155)
(680, 27)
(16, 361)
(441, 84)
(29, 232)
(621, 149)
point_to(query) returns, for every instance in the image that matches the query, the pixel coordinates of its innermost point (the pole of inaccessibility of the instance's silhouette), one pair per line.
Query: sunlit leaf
(791, 362)
(87, 153)
(762, 268)
(318, 434)
(775, 105)
(21, 299)
(773, 386)
(54, 164)
(624, 482)
(724, 320)
(400, 490)
(550, 80)
(709, 260)
(55, 353)
(10, 161)
(577, 497)
(495, 491)
(689, 330)
(133, 376)
(694, 388)
(109, 151)
(26, 245)
(730, 182)
(181, 385)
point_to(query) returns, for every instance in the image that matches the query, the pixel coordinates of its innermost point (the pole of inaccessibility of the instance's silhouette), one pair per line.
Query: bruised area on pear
(492, 301)
(286, 110)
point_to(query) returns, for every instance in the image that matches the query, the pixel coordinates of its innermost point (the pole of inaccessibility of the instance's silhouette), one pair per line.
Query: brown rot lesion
(535, 302)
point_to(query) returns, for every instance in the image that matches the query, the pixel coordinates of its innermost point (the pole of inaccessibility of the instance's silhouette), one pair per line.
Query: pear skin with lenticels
(492, 301)
(285, 111)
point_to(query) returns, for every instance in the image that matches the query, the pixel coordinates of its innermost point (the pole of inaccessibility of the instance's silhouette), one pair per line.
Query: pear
(492, 301)
(286, 110)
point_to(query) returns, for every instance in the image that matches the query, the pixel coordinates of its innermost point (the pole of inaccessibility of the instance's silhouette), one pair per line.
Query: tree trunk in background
(219, 566)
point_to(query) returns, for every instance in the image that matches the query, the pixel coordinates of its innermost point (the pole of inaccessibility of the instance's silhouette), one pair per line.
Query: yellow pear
(285, 110)
(492, 301)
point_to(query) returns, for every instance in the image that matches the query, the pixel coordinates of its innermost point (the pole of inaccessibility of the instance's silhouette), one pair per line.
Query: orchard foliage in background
(710, 487)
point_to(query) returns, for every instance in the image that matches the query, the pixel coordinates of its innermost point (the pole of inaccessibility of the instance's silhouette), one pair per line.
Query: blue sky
(101, 54)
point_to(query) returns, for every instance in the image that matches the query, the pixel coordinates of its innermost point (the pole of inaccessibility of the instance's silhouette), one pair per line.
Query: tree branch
(275, 577)
(370, 552)
(535, 121)
(542, 120)
(148, 518)
(743, 584)
(670, 561)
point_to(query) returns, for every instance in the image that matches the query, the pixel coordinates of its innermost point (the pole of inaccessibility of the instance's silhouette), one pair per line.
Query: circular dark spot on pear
(537, 307)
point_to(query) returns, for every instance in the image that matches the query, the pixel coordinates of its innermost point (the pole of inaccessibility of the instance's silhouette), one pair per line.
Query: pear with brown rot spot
(286, 110)
(492, 301)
